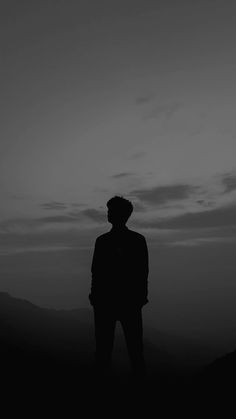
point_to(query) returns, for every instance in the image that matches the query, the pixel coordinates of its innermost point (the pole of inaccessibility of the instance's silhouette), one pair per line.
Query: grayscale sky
(137, 98)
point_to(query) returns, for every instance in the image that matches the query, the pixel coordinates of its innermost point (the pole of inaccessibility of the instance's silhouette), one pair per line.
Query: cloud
(57, 219)
(16, 250)
(21, 196)
(18, 224)
(94, 214)
(138, 155)
(50, 238)
(142, 100)
(77, 204)
(229, 181)
(30, 224)
(166, 110)
(138, 207)
(121, 175)
(199, 241)
(27, 224)
(53, 205)
(159, 195)
(218, 217)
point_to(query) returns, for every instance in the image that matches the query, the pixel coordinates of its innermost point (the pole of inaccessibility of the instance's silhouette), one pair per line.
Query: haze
(135, 98)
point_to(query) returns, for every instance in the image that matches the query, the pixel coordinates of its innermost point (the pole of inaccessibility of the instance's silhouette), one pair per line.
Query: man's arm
(144, 271)
(94, 271)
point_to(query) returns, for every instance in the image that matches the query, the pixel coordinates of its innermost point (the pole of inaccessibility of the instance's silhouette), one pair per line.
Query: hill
(47, 350)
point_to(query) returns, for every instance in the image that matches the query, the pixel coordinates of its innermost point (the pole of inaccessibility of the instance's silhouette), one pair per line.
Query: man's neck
(118, 228)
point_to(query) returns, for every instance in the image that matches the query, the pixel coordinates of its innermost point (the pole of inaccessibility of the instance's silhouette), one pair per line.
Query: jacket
(120, 269)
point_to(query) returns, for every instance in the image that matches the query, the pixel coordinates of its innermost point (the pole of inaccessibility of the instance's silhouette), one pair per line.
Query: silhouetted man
(119, 287)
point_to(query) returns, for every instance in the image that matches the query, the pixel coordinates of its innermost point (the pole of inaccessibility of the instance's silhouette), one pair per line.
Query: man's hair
(122, 205)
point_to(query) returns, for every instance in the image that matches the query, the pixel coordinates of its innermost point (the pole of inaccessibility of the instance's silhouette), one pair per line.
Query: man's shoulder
(103, 237)
(136, 235)
(131, 233)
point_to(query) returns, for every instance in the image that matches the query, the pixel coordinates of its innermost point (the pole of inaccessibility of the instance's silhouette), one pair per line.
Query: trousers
(105, 322)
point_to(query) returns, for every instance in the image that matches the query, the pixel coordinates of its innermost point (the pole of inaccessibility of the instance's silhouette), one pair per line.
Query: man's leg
(104, 334)
(132, 325)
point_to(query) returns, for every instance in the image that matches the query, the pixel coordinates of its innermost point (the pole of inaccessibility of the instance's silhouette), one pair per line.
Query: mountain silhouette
(68, 336)
(221, 372)
(48, 336)
(53, 350)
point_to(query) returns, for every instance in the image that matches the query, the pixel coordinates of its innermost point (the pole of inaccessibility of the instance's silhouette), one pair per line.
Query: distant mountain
(47, 356)
(66, 335)
(222, 371)
(44, 331)
(52, 341)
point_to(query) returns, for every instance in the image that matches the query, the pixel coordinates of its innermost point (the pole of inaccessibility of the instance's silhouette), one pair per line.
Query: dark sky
(134, 98)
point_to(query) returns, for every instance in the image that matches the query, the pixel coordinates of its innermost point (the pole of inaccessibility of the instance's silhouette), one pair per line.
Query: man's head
(119, 210)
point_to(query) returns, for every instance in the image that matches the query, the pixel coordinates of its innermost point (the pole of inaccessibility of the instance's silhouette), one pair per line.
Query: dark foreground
(47, 370)
(71, 390)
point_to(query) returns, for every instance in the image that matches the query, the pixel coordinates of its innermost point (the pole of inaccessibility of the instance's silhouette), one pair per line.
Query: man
(119, 287)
